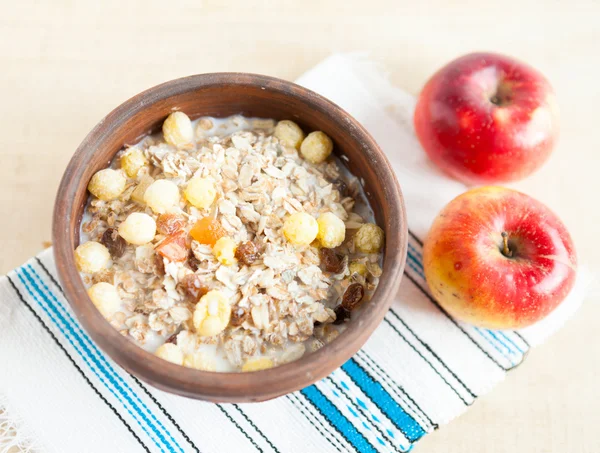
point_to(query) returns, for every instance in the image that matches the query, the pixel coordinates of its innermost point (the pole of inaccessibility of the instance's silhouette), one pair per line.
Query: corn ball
(289, 134)
(257, 364)
(224, 251)
(356, 267)
(316, 147)
(107, 184)
(300, 228)
(138, 228)
(369, 238)
(212, 314)
(332, 230)
(170, 352)
(162, 196)
(200, 361)
(177, 130)
(132, 161)
(106, 298)
(91, 256)
(200, 192)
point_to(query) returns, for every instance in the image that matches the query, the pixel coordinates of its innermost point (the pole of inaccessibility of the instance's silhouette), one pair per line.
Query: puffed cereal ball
(369, 238)
(138, 228)
(316, 147)
(200, 361)
(106, 298)
(132, 161)
(162, 196)
(212, 314)
(170, 352)
(300, 228)
(107, 184)
(177, 130)
(289, 134)
(91, 256)
(224, 251)
(200, 192)
(257, 364)
(332, 230)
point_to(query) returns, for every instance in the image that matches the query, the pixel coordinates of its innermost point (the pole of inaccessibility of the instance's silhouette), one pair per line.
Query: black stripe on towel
(62, 348)
(256, 428)
(230, 418)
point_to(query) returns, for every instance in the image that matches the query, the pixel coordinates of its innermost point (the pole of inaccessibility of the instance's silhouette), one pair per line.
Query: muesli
(233, 244)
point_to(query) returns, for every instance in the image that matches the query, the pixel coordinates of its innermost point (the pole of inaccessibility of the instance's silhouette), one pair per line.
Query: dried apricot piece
(207, 231)
(169, 223)
(174, 247)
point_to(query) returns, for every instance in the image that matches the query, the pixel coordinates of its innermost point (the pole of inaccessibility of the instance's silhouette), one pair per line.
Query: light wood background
(65, 64)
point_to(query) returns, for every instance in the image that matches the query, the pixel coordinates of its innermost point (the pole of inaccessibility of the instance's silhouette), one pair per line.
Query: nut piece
(106, 298)
(177, 130)
(353, 295)
(200, 361)
(170, 352)
(132, 161)
(107, 184)
(316, 147)
(289, 133)
(332, 230)
(162, 196)
(246, 253)
(369, 238)
(257, 364)
(91, 257)
(138, 228)
(207, 231)
(138, 193)
(300, 228)
(200, 192)
(212, 314)
(113, 242)
(224, 251)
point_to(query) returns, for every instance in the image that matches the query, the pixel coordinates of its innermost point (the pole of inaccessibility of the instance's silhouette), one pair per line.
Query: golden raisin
(246, 253)
(113, 242)
(207, 231)
(330, 261)
(238, 316)
(353, 295)
(169, 223)
(193, 287)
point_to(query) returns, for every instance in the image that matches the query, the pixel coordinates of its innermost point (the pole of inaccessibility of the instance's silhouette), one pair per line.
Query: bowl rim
(218, 386)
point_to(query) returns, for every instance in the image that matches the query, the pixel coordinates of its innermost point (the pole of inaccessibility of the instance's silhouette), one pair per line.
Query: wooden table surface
(65, 64)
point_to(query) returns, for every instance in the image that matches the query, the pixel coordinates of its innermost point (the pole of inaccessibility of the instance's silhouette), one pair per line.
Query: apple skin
(473, 280)
(486, 118)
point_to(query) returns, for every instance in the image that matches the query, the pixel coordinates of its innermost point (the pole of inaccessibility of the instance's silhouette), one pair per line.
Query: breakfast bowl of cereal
(229, 237)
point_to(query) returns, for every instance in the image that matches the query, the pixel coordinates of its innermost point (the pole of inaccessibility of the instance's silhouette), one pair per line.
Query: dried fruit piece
(238, 316)
(341, 186)
(200, 192)
(138, 228)
(224, 251)
(330, 261)
(162, 196)
(106, 298)
(138, 193)
(91, 257)
(332, 230)
(193, 262)
(341, 315)
(257, 364)
(212, 314)
(169, 223)
(193, 286)
(171, 353)
(300, 228)
(132, 161)
(177, 130)
(289, 133)
(113, 242)
(357, 267)
(353, 295)
(174, 247)
(207, 231)
(172, 338)
(246, 253)
(316, 147)
(369, 238)
(107, 184)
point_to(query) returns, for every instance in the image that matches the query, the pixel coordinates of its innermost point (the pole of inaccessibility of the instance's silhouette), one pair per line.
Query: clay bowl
(221, 95)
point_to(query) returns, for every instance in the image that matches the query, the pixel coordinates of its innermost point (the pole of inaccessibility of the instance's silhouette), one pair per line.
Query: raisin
(172, 338)
(330, 261)
(341, 187)
(113, 242)
(246, 253)
(193, 286)
(168, 224)
(192, 261)
(159, 264)
(353, 295)
(238, 316)
(341, 315)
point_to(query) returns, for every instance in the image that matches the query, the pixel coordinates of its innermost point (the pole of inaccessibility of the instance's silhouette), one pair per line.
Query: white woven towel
(419, 370)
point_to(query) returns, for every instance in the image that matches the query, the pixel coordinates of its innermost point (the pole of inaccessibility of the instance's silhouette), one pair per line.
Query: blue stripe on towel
(98, 364)
(383, 400)
(337, 419)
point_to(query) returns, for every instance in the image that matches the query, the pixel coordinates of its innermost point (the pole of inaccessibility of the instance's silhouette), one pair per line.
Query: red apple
(486, 118)
(497, 258)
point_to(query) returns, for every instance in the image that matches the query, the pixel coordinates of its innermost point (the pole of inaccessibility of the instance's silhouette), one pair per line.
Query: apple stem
(505, 250)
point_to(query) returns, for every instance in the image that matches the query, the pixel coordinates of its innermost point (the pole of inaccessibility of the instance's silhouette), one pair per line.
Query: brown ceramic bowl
(221, 95)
